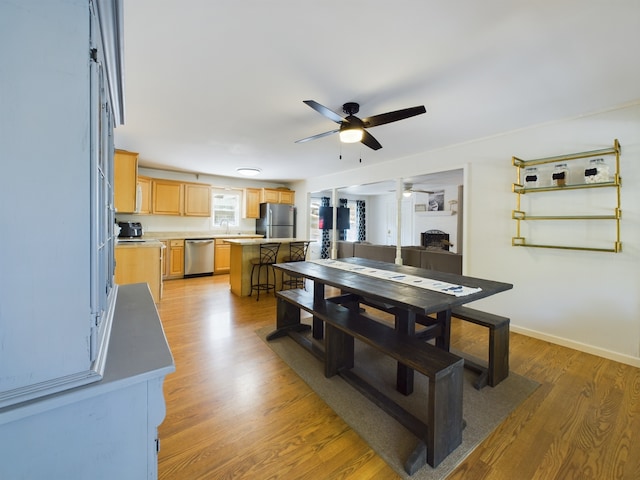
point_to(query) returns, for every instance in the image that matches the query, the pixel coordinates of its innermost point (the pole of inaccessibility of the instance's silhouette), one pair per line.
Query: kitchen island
(242, 252)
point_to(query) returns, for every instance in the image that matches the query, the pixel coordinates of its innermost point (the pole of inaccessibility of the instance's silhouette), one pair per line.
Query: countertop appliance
(276, 220)
(130, 229)
(198, 257)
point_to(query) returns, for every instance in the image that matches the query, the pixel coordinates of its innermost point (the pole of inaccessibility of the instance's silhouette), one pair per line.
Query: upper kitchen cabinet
(170, 197)
(252, 198)
(125, 171)
(197, 200)
(167, 197)
(278, 195)
(144, 195)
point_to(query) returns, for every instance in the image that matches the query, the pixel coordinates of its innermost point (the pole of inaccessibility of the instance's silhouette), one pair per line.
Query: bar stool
(297, 253)
(268, 256)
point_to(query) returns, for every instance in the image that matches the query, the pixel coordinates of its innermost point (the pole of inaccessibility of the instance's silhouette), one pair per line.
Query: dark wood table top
(419, 300)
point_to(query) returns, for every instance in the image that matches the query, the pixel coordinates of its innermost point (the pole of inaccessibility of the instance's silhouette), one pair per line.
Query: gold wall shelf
(519, 189)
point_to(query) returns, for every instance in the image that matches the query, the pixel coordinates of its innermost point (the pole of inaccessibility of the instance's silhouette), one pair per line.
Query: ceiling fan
(408, 189)
(353, 129)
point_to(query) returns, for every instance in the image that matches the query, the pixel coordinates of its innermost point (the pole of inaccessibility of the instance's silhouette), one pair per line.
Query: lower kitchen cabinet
(221, 257)
(175, 259)
(140, 264)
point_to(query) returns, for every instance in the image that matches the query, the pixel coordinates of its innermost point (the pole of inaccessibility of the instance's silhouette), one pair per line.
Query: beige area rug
(483, 409)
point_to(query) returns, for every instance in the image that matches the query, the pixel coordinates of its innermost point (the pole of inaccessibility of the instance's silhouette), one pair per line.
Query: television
(325, 218)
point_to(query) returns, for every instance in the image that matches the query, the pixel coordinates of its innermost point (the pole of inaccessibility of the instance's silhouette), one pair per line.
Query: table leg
(405, 322)
(444, 319)
(287, 319)
(318, 299)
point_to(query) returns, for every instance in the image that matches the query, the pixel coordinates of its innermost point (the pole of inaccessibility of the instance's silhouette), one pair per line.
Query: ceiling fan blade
(393, 116)
(320, 135)
(369, 141)
(322, 110)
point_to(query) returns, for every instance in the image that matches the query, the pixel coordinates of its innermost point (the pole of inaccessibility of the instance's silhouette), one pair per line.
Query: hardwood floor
(236, 411)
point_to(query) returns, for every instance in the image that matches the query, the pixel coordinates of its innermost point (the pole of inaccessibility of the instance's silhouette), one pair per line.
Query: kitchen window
(226, 205)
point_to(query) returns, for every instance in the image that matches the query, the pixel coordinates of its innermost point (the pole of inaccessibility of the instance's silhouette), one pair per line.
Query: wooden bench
(443, 431)
(498, 365)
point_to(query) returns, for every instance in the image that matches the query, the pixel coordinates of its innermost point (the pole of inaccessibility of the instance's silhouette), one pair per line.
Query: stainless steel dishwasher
(198, 257)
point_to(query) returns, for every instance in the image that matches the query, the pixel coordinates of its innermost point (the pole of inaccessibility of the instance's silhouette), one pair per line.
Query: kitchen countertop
(196, 235)
(258, 241)
(143, 242)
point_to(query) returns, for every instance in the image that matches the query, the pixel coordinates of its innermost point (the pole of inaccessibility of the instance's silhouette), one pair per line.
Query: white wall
(586, 300)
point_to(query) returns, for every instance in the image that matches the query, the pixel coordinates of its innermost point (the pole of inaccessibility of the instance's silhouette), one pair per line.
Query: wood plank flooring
(236, 411)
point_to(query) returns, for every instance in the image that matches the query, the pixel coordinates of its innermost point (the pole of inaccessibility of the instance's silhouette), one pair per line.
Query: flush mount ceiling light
(248, 171)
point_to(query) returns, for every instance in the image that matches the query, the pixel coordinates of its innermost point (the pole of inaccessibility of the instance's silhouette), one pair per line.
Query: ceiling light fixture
(406, 193)
(248, 171)
(350, 134)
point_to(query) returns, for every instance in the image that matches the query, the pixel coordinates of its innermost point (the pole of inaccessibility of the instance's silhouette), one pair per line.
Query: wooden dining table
(404, 300)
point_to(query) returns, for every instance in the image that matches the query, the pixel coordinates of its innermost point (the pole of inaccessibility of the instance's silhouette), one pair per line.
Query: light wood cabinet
(164, 263)
(277, 195)
(287, 196)
(175, 258)
(197, 200)
(252, 202)
(221, 257)
(140, 265)
(166, 198)
(144, 195)
(270, 195)
(170, 197)
(125, 174)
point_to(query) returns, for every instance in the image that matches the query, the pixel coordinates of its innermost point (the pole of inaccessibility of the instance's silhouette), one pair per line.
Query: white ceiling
(216, 85)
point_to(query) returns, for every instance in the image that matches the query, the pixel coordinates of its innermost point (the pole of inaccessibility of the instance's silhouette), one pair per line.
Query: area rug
(483, 410)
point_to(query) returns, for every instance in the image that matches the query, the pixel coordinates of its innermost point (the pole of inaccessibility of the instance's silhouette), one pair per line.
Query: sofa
(415, 256)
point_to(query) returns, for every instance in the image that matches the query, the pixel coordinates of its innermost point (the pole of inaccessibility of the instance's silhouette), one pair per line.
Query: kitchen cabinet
(166, 197)
(125, 171)
(561, 189)
(197, 200)
(252, 197)
(144, 195)
(140, 264)
(175, 259)
(222, 256)
(170, 197)
(277, 195)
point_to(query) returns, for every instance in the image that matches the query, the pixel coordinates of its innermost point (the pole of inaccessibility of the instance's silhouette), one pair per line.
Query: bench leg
(287, 319)
(338, 351)
(444, 430)
(498, 354)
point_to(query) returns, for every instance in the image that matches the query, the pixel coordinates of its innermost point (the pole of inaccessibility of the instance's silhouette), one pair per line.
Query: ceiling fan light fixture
(406, 193)
(248, 171)
(351, 135)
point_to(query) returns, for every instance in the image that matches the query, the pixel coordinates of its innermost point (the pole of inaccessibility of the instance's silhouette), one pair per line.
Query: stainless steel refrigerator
(276, 221)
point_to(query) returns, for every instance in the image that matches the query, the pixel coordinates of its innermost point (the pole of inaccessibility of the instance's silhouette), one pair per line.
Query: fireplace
(436, 239)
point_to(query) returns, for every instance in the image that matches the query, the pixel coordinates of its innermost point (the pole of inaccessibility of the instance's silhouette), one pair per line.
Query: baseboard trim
(582, 347)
